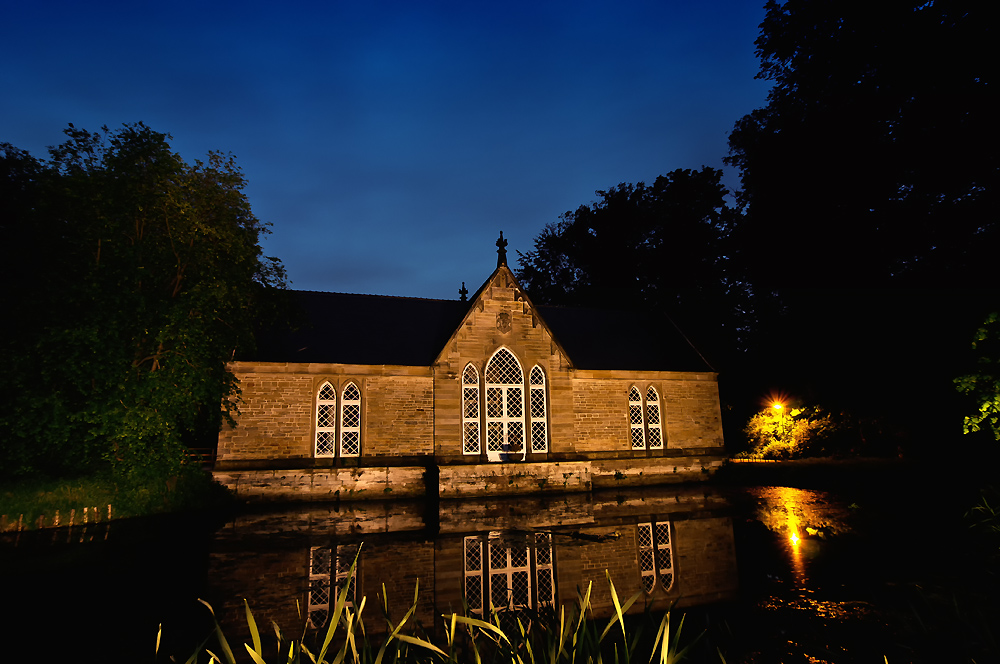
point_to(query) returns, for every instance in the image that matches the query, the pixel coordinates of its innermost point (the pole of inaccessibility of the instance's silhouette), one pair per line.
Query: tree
(875, 161)
(659, 248)
(983, 385)
(138, 278)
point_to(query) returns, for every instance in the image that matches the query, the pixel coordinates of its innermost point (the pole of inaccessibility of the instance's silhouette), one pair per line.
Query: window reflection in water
(329, 571)
(509, 571)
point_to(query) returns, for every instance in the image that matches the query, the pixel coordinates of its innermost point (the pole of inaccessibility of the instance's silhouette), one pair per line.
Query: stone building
(383, 397)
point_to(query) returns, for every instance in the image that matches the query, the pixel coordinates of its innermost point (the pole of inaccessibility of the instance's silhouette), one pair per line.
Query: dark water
(874, 567)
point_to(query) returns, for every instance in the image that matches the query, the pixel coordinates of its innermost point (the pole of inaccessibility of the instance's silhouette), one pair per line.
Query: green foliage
(571, 636)
(789, 432)
(35, 496)
(137, 278)
(983, 386)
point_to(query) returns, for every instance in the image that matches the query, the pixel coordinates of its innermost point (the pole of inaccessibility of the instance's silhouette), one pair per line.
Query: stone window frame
(337, 430)
(645, 416)
(347, 408)
(327, 433)
(655, 555)
(472, 436)
(538, 394)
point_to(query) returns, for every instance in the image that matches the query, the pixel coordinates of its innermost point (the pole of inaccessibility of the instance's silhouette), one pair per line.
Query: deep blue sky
(389, 142)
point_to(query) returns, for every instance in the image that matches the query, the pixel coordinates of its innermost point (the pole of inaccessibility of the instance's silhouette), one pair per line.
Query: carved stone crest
(503, 322)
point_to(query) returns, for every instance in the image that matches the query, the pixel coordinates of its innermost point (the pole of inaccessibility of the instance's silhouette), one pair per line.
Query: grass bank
(39, 501)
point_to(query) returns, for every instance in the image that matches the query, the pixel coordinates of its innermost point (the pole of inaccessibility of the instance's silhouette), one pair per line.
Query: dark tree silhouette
(875, 161)
(134, 278)
(657, 249)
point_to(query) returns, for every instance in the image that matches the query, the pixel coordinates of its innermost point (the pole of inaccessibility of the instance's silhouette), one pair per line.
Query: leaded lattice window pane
(350, 421)
(470, 410)
(515, 402)
(318, 599)
(494, 402)
(636, 420)
(664, 555)
(515, 437)
(471, 405)
(326, 421)
(494, 436)
(504, 369)
(545, 583)
(350, 444)
(538, 411)
(345, 577)
(326, 443)
(539, 439)
(647, 562)
(474, 574)
(653, 419)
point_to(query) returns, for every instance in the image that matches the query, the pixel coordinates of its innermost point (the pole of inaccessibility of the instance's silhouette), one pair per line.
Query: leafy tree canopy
(983, 385)
(134, 277)
(658, 248)
(875, 161)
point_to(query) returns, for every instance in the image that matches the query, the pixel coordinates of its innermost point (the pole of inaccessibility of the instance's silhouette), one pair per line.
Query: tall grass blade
(423, 644)
(254, 634)
(226, 650)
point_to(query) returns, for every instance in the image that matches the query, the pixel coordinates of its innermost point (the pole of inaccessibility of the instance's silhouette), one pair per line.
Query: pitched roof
(342, 328)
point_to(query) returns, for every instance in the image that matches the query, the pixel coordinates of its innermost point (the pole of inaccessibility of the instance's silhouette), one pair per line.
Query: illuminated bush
(780, 432)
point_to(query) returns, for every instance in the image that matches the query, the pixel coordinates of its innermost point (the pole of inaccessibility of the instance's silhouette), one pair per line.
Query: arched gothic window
(636, 420)
(470, 410)
(653, 427)
(326, 421)
(504, 408)
(539, 411)
(645, 421)
(656, 555)
(350, 421)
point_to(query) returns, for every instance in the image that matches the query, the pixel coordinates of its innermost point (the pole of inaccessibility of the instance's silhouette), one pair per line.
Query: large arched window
(470, 410)
(350, 421)
(539, 411)
(504, 408)
(326, 421)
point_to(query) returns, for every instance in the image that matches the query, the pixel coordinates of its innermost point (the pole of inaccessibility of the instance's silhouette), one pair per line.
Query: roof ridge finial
(464, 292)
(501, 251)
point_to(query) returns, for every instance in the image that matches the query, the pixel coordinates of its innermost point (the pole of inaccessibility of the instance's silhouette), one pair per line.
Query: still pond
(868, 569)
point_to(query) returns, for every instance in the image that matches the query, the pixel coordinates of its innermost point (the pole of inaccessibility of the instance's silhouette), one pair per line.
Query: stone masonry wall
(276, 419)
(399, 416)
(275, 416)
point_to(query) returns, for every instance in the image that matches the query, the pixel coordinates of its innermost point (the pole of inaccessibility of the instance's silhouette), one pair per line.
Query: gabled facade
(382, 397)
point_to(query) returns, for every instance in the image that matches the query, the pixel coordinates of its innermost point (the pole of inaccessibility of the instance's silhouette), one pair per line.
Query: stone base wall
(463, 481)
(380, 483)
(501, 479)
(640, 471)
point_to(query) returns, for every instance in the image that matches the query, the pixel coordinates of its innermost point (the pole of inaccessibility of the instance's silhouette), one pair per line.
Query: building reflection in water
(523, 554)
